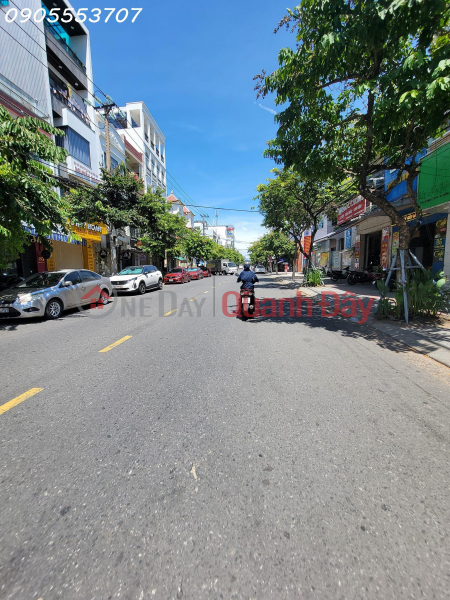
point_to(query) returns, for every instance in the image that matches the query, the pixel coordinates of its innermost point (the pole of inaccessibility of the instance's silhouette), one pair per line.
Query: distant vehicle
(138, 279)
(195, 273)
(177, 275)
(222, 267)
(259, 269)
(206, 271)
(49, 294)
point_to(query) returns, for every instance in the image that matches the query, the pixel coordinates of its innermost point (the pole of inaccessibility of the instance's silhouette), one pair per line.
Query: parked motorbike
(364, 277)
(247, 303)
(336, 275)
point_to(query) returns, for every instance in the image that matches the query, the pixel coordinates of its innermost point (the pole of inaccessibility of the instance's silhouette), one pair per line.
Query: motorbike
(364, 277)
(336, 275)
(247, 303)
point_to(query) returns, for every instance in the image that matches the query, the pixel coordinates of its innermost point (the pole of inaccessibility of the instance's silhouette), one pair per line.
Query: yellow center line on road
(170, 312)
(207, 292)
(192, 299)
(19, 399)
(108, 348)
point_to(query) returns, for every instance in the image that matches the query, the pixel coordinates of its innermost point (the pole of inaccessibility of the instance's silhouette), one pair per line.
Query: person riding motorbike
(248, 279)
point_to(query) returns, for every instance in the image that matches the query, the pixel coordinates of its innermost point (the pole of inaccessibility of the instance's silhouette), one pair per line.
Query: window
(114, 162)
(152, 269)
(76, 145)
(87, 276)
(73, 277)
(4, 2)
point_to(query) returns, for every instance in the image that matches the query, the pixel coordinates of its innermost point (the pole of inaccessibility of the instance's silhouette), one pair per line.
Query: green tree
(197, 246)
(164, 232)
(366, 86)
(292, 206)
(27, 184)
(258, 254)
(116, 201)
(278, 245)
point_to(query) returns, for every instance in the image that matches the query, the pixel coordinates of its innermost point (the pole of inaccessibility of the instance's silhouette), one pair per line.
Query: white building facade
(141, 130)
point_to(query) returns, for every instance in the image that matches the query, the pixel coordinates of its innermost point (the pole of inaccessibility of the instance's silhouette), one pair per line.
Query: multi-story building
(222, 234)
(177, 207)
(46, 72)
(143, 136)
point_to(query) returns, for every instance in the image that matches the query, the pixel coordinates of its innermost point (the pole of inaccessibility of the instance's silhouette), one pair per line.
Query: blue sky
(192, 63)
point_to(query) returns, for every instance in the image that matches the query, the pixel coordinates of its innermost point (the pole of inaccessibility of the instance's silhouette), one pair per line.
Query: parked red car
(206, 272)
(195, 273)
(178, 275)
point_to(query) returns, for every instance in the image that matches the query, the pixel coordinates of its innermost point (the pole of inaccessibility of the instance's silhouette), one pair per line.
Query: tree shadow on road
(341, 325)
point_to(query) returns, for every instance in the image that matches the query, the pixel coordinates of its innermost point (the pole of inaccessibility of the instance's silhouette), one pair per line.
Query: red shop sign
(351, 209)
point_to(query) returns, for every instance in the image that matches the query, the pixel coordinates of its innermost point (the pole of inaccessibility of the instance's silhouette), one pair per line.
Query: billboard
(356, 206)
(230, 232)
(434, 175)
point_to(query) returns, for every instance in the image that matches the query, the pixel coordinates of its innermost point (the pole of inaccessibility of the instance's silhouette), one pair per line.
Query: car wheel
(103, 298)
(224, 272)
(142, 288)
(160, 284)
(53, 309)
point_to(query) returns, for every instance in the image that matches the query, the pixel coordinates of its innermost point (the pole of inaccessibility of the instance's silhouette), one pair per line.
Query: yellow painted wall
(67, 256)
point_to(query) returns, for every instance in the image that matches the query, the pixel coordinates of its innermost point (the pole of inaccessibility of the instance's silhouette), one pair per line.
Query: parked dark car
(206, 271)
(177, 275)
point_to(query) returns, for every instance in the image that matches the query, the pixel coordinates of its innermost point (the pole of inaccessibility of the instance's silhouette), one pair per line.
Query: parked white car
(138, 279)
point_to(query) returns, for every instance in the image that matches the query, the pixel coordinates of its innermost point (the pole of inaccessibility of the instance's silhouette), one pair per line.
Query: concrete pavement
(206, 457)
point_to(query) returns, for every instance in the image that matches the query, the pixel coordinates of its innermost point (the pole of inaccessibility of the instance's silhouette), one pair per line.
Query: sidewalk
(431, 339)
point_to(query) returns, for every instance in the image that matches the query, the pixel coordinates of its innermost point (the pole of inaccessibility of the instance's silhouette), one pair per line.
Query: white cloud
(271, 110)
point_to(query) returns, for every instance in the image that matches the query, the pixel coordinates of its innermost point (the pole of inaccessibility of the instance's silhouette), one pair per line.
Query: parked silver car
(49, 294)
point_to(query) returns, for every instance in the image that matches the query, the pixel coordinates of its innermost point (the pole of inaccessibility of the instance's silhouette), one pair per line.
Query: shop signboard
(306, 243)
(230, 232)
(434, 186)
(90, 231)
(324, 258)
(335, 260)
(346, 259)
(439, 244)
(356, 206)
(357, 251)
(384, 247)
(348, 239)
(395, 242)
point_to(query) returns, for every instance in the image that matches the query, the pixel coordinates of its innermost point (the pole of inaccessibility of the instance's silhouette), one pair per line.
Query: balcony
(64, 59)
(61, 99)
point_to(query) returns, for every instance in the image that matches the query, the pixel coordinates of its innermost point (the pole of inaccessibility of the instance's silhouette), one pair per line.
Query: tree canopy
(27, 183)
(275, 244)
(364, 88)
(293, 206)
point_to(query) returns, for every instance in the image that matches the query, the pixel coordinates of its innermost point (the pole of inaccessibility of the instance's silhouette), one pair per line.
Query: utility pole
(107, 108)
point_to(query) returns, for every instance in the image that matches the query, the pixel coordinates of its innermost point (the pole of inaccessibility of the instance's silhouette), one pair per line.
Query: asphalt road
(206, 457)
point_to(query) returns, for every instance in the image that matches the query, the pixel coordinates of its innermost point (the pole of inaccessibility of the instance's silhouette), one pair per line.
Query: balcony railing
(62, 42)
(71, 104)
